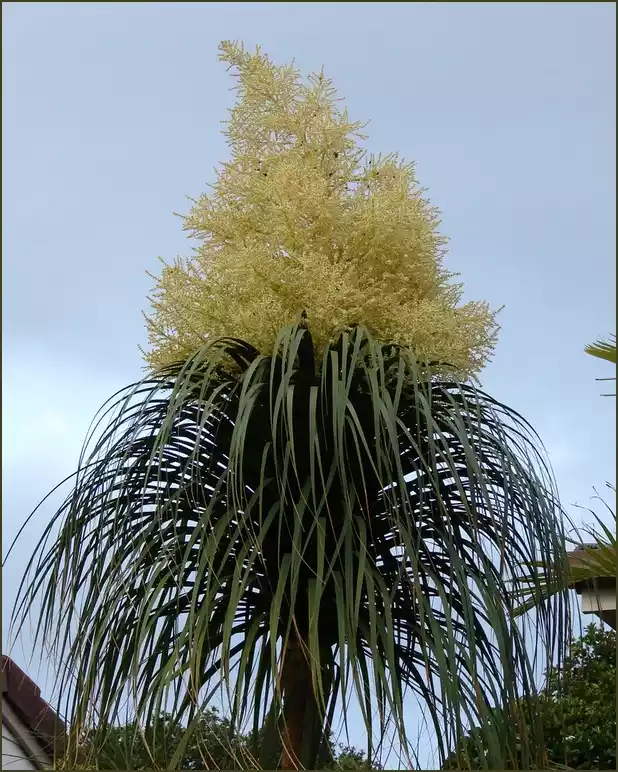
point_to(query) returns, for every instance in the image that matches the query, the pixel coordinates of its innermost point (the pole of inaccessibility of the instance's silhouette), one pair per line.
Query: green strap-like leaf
(356, 509)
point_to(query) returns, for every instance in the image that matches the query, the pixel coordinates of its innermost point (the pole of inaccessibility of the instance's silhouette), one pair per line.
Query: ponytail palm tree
(307, 499)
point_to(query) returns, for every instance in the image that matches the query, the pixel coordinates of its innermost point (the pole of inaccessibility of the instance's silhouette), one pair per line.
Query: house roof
(581, 557)
(581, 552)
(24, 698)
(594, 586)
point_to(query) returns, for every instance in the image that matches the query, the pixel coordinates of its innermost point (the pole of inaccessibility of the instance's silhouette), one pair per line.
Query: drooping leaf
(358, 508)
(595, 559)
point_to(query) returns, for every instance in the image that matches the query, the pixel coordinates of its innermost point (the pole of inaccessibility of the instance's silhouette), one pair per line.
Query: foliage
(578, 709)
(604, 349)
(131, 746)
(351, 758)
(597, 558)
(292, 519)
(580, 712)
(212, 746)
(302, 219)
(294, 536)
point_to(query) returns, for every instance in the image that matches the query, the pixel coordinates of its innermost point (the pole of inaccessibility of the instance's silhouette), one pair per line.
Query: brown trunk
(297, 695)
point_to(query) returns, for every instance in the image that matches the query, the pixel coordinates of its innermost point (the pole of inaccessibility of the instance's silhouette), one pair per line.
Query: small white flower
(301, 218)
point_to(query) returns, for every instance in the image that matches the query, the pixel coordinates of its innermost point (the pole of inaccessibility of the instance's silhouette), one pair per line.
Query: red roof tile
(24, 697)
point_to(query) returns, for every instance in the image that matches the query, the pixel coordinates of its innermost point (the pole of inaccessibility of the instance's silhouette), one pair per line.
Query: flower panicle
(302, 217)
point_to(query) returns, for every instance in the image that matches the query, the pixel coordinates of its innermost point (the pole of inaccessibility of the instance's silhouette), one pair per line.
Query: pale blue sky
(111, 116)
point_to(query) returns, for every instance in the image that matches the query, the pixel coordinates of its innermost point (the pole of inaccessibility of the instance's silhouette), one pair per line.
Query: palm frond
(285, 536)
(603, 349)
(595, 560)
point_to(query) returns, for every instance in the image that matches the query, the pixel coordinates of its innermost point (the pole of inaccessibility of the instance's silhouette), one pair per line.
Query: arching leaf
(246, 524)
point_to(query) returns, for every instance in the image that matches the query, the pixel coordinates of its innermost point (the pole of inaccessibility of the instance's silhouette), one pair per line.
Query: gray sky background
(111, 116)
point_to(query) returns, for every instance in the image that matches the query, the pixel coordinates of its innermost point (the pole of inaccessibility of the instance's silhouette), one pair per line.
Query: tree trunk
(302, 729)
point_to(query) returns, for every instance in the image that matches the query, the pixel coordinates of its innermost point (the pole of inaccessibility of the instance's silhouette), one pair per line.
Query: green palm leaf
(603, 349)
(284, 536)
(595, 563)
(595, 560)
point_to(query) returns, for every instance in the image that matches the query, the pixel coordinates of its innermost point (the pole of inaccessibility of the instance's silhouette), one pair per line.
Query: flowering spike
(301, 218)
